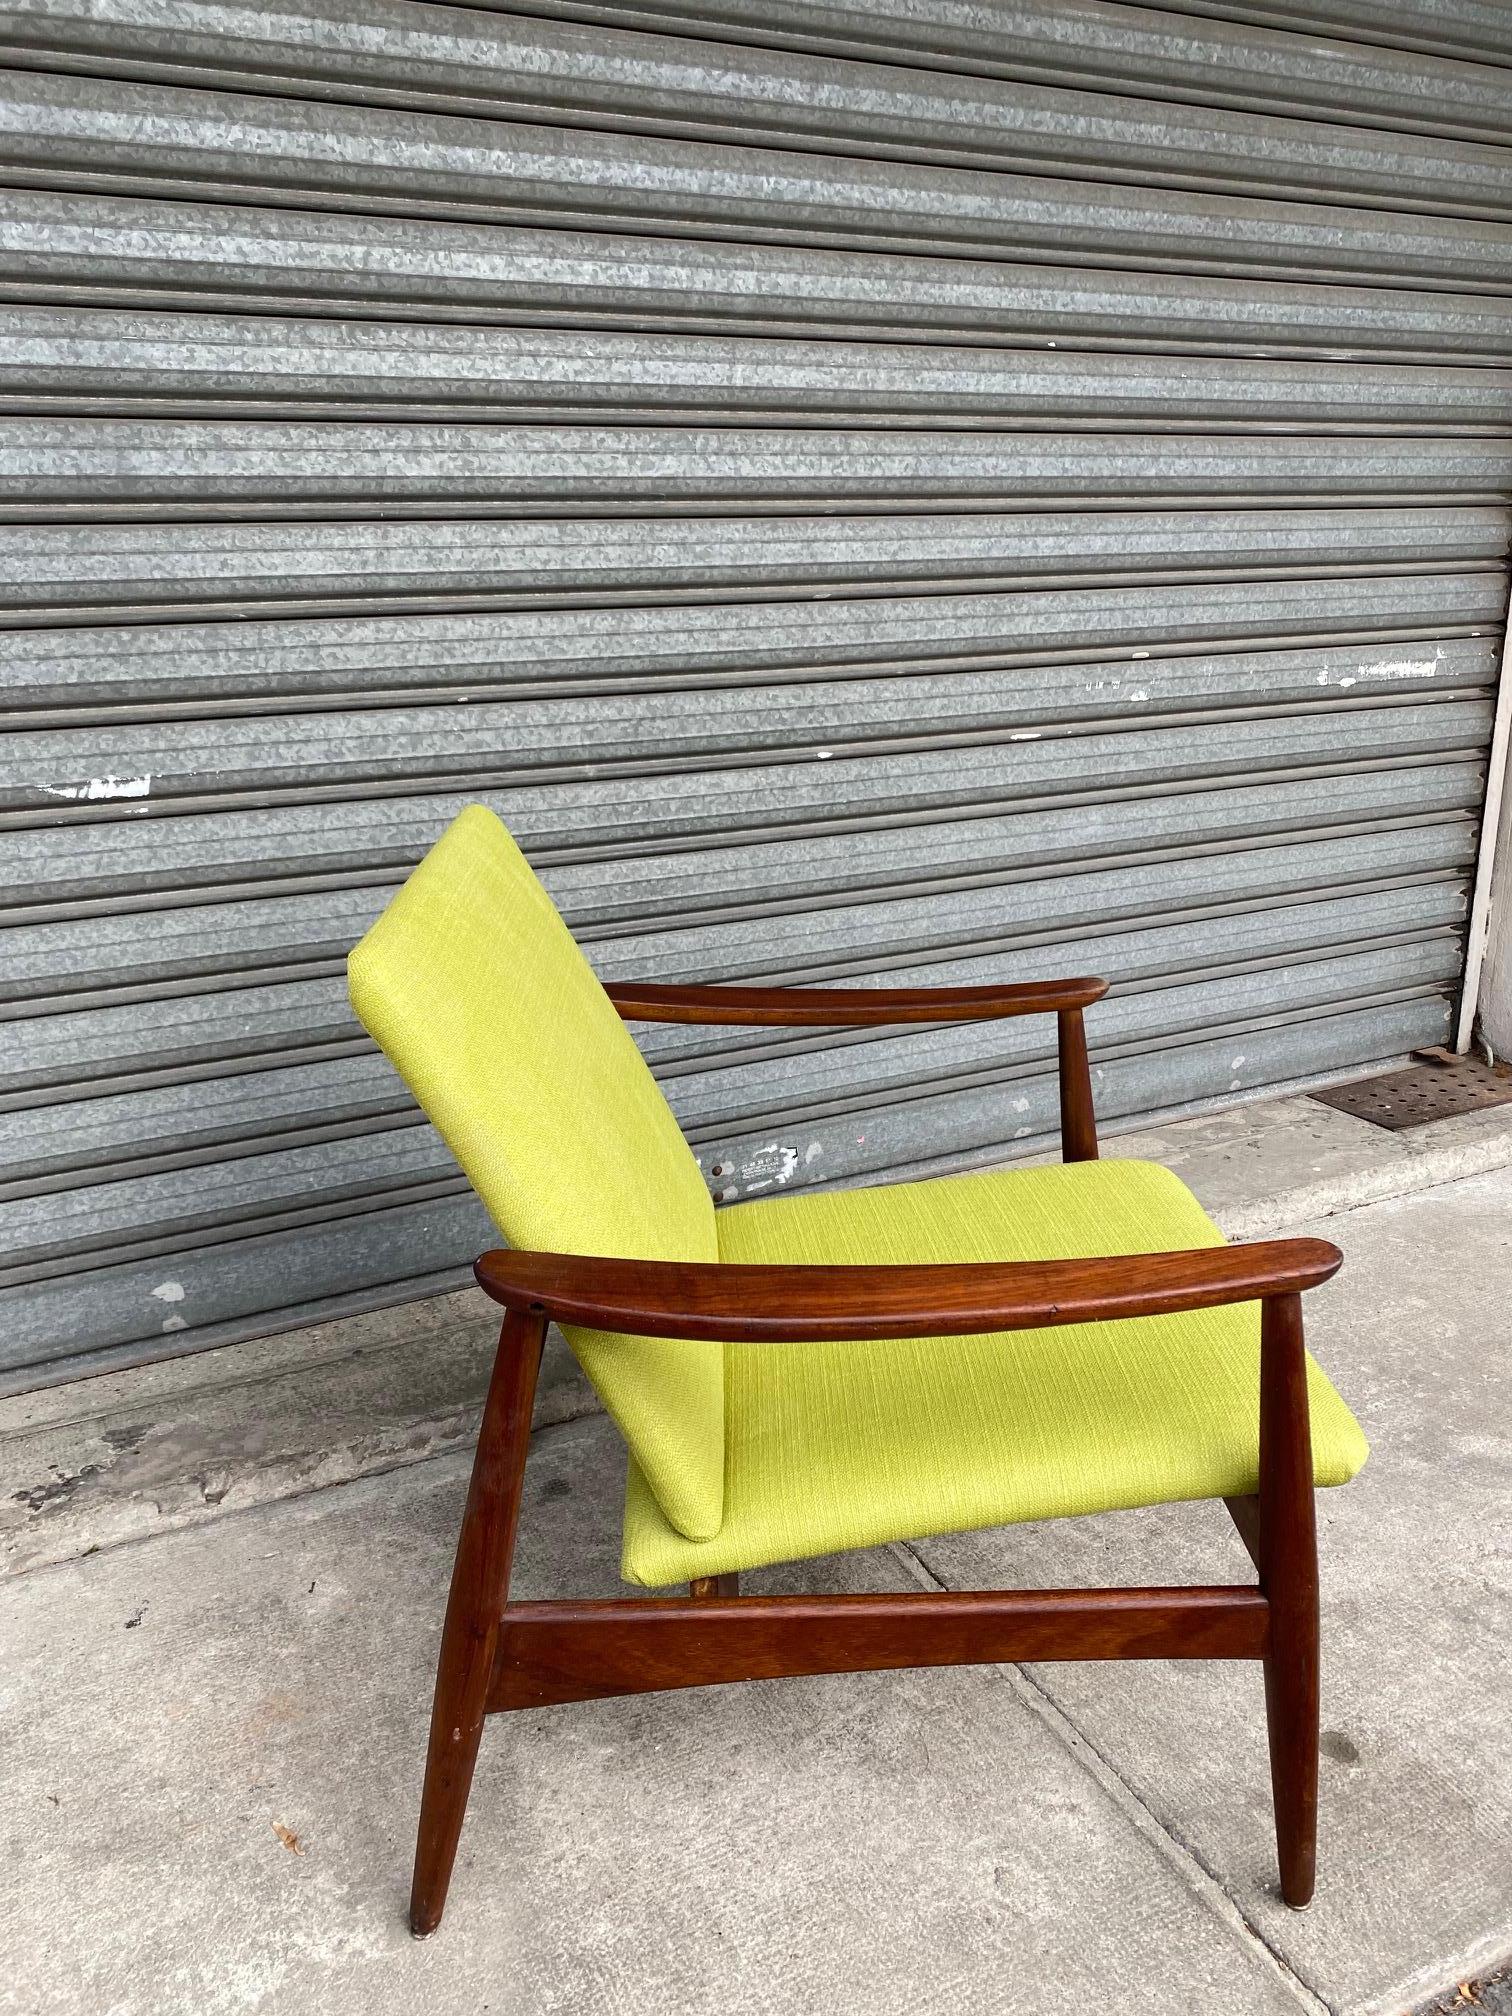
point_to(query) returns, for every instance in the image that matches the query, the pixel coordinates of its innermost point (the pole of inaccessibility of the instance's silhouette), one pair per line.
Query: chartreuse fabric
(476, 991)
(745, 1454)
(830, 1446)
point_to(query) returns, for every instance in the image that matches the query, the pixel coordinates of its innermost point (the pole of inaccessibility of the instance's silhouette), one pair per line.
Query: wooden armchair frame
(498, 1656)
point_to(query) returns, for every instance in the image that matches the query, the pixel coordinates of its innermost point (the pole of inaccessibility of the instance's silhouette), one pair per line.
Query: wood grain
(756, 1304)
(847, 1007)
(1288, 1549)
(552, 1652)
(469, 1637)
(1077, 1119)
(1245, 1513)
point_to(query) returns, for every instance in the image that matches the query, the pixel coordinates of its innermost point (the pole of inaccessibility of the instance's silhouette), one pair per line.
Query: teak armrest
(771, 1304)
(875, 1007)
(848, 1007)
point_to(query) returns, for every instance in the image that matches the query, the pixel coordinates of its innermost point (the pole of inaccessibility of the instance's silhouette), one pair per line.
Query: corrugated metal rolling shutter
(917, 491)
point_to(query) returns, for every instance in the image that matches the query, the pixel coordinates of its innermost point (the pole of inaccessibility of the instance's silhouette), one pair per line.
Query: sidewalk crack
(1180, 1855)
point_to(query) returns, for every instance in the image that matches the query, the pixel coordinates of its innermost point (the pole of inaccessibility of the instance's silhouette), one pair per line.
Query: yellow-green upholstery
(746, 1454)
(485, 1006)
(832, 1446)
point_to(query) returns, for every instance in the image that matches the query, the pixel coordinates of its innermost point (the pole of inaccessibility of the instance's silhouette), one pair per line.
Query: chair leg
(715, 1585)
(1288, 1561)
(480, 1583)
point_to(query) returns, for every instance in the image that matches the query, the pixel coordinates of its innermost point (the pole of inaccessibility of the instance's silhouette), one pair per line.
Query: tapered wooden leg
(1245, 1513)
(715, 1585)
(480, 1582)
(1288, 1562)
(1078, 1122)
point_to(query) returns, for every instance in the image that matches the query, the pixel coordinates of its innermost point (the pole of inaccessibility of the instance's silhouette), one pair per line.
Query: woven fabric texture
(832, 1446)
(483, 1003)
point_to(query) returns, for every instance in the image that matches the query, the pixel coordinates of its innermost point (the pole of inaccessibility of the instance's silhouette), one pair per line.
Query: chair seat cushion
(834, 1446)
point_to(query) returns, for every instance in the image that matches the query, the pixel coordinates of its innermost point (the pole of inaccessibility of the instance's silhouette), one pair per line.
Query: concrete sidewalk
(215, 1736)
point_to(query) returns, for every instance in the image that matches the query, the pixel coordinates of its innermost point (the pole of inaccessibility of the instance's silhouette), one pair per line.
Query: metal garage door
(917, 492)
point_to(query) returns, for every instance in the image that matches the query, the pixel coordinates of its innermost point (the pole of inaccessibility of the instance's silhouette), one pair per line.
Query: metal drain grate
(1434, 1090)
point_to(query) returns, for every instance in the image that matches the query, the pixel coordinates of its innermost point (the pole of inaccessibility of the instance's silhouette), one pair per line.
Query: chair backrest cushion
(487, 1009)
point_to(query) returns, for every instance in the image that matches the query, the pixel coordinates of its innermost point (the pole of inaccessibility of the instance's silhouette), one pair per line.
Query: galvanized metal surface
(164, 1042)
(923, 493)
(404, 52)
(1205, 50)
(382, 658)
(1032, 277)
(1476, 28)
(616, 93)
(61, 360)
(138, 573)
(93, 951)
(761, 772)
(61, 470)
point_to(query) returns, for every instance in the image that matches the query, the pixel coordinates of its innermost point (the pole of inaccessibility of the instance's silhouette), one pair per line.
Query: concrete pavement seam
(1203, 1883)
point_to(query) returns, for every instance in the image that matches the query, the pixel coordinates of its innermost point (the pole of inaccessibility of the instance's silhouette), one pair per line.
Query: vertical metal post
(1485, 861)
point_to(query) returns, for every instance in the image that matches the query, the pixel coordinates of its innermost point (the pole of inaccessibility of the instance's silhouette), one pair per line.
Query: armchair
(812, 1372)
